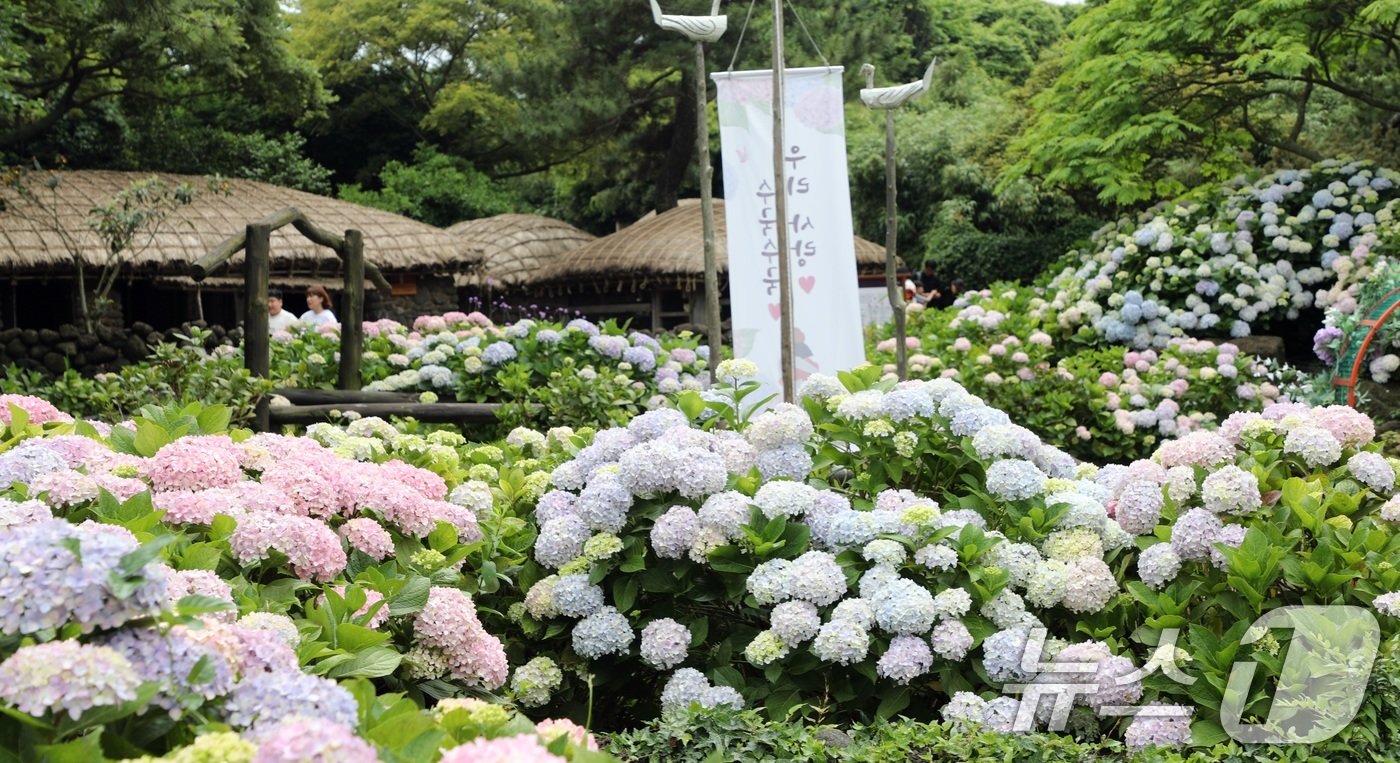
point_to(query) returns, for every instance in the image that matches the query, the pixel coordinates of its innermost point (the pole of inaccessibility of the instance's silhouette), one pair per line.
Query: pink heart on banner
(743, 155)
(776, 311)
(807, 282)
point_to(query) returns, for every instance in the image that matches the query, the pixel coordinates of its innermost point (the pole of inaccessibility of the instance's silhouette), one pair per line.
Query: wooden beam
(256, 350)
(352, 327)
(342, 396)
(436, 413)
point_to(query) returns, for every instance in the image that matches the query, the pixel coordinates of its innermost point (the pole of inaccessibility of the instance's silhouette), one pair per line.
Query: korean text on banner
(827, 334)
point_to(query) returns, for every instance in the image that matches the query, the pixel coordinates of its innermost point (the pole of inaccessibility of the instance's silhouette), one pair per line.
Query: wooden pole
(780, 205)
(713, 328)
(255, 337)
(891, 243)
(352, 326)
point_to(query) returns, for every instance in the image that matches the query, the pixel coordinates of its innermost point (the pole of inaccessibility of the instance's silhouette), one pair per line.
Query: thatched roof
(518, 247)
(665, 250)
(28, 241)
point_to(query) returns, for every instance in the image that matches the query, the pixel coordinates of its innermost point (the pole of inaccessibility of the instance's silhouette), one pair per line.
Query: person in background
(277, 318)
(320, 303)
(932, 289)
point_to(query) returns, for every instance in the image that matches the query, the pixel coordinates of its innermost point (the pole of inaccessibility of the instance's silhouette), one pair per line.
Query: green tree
(436, 188)
(1152, 96)
(61, 59)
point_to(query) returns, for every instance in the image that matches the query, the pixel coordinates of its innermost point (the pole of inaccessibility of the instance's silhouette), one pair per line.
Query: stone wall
(435, 295)
(104, 349)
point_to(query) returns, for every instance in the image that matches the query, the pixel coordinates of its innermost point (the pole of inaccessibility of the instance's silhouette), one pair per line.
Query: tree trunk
(671, 175)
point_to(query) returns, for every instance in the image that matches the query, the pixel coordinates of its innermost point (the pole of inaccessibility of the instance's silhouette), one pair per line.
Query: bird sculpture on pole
(887, 98)
(696, 28)
(700, 30)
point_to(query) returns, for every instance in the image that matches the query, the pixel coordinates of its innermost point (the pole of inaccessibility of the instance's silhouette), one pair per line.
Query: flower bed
(884, 545)
(576, 374)
(1100, 404)
(1227, 261)
(175, 587)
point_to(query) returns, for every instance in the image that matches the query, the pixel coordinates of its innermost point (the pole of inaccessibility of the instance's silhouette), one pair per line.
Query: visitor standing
(277, 318)
(319, 300)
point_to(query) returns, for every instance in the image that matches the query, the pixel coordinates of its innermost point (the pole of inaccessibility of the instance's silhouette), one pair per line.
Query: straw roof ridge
(660, 249)
(392, 242)
(516, 247)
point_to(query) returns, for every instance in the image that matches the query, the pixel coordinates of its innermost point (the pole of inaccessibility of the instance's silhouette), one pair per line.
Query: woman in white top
(320, 303)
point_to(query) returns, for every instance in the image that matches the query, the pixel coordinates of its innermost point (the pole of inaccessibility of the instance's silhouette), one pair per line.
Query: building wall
(432, 295)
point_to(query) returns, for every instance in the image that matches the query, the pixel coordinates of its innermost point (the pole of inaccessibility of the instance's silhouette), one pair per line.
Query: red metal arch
(1376, 316)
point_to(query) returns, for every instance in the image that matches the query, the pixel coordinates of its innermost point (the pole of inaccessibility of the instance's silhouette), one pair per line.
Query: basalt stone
(142, 328)
(30, 337)
(102, 354)
(38, 351)
(78, 361)
(88, 341)
(154, 338)
(833, 737)
(9, 335)
(134, 349)
(55, 363)
(68, 331)
(48, 336)
(29, 364)
(16, 348)
(107, 333)
(67, 348)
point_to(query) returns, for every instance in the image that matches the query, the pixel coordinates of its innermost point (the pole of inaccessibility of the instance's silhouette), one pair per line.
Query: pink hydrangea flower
(518, 749)
(313, 740)
(369, 537)
(552, 728)
(182, 583)
(195, 463)
(448, 623)
(40, 411)
(312, 548)
(430, 485)
(1195, 449)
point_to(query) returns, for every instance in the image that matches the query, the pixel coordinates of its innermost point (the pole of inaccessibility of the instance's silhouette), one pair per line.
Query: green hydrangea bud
(428, 560)
(602, 546)
(483, 473)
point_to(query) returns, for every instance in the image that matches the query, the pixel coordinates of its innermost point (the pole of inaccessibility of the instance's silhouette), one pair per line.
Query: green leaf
(357, 638)
(194, 605)
(893, 703)
(411, 598)
(371, 663)
(214, 419)
(625, 593)
(150, 437)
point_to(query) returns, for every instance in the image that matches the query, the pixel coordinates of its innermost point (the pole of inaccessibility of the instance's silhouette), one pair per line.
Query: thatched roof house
(655, 267)
(516, 248)
(664, 251)
(30, 242)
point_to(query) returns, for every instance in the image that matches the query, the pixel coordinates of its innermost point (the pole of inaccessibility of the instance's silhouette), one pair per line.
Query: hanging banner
(827, 335)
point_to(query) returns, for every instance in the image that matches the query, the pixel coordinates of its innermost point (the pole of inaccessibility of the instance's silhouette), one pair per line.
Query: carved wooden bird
(886, 98)
(697, 28)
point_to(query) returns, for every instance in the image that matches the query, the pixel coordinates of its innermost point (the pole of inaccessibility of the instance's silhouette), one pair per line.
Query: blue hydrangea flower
(1013, 479)
(498, 353)
(904, 607)
(603, 632)
(665, 643)
(273, 697)
(574, 596)
(560, 540)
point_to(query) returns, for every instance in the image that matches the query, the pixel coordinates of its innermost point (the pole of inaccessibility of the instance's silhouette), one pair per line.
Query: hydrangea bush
(884, 543)
(578, 373)
(1227, 261)
(178, 573)
(1100, 404)
(1369, 274)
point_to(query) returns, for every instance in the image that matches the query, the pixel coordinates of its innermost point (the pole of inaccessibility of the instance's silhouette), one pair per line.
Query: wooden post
(780, 205)
(891, 243)
(656, 310)
(714, 332)
(255, 335)
(352, 327)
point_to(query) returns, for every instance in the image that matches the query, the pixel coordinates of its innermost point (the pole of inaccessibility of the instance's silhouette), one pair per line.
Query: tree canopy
(1152, 95)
